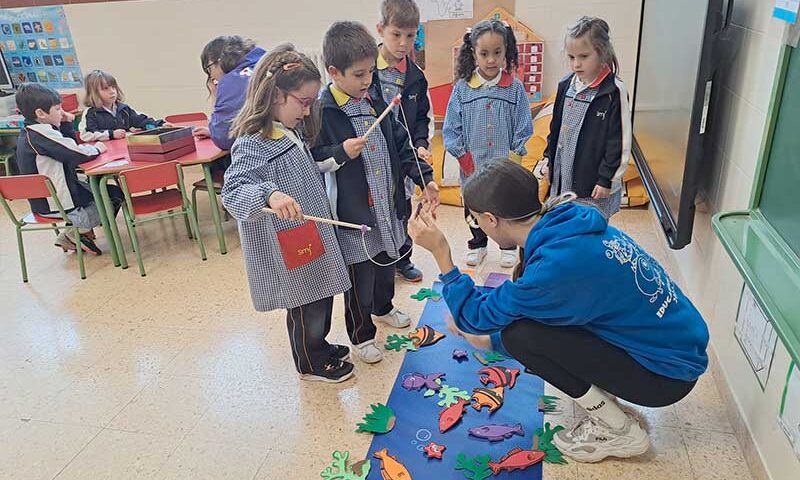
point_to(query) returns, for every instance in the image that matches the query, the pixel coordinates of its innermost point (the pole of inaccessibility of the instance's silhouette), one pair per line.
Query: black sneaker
(340, 352)
(89, 246)
(410, 273)
(334, 371)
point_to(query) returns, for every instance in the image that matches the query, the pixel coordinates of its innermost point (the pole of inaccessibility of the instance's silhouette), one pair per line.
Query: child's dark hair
(32, 96)
(466, 55)
(95, 80)
(281, 71)
(346, 43)
(598, 33)
(400, 13)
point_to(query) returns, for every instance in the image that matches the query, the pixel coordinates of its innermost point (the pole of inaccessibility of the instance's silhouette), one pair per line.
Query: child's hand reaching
(201, 132)
(432, 196)
(286, 207)
(600, 192)
(354, 146)
(481, 342)
(119, 133)
(424, 154)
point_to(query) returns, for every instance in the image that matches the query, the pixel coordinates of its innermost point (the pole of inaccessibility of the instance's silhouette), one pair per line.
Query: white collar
(489, 82)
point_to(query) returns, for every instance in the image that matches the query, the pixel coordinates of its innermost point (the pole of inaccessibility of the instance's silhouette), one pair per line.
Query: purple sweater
(231, 90)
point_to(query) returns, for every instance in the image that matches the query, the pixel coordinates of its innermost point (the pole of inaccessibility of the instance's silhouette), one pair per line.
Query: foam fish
(416, 381)
(425, 335)
(391, 469)
(451, 415)
(496, 433)
(499, 376)
(488, 397)
(517, 459)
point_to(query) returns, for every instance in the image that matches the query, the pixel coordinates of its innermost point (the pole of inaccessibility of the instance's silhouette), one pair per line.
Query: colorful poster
(37, 47)
(786, 10)
(789, 418)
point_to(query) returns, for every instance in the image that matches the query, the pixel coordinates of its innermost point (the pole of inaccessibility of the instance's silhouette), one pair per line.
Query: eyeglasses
(473, 222)
(207, 68)
(305, 102)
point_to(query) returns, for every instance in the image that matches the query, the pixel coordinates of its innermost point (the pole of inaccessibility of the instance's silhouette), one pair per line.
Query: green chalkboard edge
(768, 265)
(772, 120)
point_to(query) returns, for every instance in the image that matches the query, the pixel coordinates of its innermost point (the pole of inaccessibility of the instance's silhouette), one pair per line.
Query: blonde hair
(95, 80)
(281, 71)
(600, 38)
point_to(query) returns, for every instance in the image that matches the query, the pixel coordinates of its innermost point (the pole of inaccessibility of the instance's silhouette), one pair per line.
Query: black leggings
(572, 359)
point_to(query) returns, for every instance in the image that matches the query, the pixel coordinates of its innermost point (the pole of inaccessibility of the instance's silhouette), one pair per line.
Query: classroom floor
(174, 376)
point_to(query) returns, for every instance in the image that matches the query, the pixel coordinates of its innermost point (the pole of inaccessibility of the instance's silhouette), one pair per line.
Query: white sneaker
(508, 258)
(395, 318)
(592, 440)
(475, 256)
(368, 352)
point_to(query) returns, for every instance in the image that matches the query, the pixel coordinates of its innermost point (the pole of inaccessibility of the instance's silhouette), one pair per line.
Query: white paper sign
(444, 9)
(789, 418)
(756, 335)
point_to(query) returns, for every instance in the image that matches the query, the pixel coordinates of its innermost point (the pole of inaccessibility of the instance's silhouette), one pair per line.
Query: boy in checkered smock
(364, 177)
(291, 264)
(397, 73)
(590, 134)
(488, 116)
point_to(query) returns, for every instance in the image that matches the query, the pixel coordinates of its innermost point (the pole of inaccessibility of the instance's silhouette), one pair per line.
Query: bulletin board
(37, 46)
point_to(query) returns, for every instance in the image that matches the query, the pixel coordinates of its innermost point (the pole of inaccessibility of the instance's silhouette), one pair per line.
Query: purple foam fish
(496, 433)
(416, 381)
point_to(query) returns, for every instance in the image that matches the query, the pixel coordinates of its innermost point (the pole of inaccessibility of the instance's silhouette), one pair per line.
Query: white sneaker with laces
(475, 256)
(368, 352)
(508, 258)
(592, 440)
(395, 318)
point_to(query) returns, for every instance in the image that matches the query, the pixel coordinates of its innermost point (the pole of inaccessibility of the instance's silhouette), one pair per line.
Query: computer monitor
(6, 85)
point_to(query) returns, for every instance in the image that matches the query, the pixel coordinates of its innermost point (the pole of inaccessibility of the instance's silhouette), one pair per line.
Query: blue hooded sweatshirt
(231, 90)
(580, 271)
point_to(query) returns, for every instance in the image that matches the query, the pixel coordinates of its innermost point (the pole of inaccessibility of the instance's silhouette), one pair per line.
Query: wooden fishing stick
(363, 228)
(395, 102)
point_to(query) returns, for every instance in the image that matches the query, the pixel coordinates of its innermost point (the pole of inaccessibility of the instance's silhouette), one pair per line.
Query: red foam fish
(499, 376)
(452, 415)
(517, 459)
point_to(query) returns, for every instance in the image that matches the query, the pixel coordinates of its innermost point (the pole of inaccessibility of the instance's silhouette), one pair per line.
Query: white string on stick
(363, 228)
(395, 101)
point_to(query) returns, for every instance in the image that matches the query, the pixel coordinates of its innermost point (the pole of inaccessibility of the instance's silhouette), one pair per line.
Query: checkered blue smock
(576, 103)
(488, 119)
(389, 234)
(260, 167)
(392, 83)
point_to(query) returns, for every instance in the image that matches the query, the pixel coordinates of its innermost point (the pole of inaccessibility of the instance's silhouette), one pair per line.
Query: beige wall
(551, 18)
(711, 278)
(156, 57)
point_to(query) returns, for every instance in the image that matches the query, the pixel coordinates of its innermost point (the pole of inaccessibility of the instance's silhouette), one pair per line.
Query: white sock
(599, 405)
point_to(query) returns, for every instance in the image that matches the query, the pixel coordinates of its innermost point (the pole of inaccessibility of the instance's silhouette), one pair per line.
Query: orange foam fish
(391, 469)
(425, 335)
(517, 459)
(488, 397)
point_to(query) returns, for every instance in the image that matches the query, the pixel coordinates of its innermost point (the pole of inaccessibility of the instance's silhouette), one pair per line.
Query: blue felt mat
(418, 416)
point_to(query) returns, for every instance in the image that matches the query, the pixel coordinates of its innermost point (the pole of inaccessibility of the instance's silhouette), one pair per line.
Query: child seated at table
(107, 117)
(46, 147)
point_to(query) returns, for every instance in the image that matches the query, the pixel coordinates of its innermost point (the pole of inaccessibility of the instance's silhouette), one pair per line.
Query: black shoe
(334, 371)
(340, 352)
(89, 246)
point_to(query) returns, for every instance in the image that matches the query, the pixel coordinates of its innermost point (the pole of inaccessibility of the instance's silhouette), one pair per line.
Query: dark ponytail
(465, 64)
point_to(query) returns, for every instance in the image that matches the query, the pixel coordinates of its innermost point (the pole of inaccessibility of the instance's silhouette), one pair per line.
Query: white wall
(551, 19)
(153, 47)
(712, 279)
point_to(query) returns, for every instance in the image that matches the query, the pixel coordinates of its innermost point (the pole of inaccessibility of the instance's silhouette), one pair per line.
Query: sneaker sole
(631, 450)
(409, 280)
(405, 325)
(308, 377)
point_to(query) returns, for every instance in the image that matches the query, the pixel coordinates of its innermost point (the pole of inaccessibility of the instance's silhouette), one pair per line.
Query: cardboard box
(162, 157)
(161, 144)
(161, 147)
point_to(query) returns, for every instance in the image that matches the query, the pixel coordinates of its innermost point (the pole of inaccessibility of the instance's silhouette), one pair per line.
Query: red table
(117, 159)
